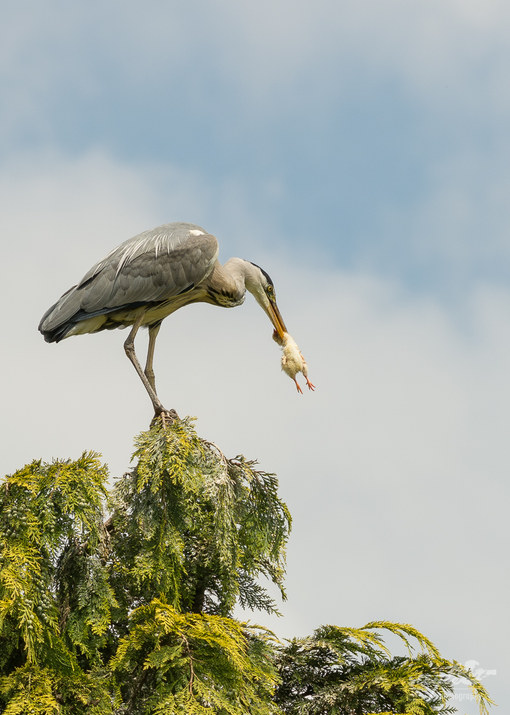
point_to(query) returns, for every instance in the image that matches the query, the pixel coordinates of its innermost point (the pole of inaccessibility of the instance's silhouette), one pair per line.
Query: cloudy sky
(359, 151)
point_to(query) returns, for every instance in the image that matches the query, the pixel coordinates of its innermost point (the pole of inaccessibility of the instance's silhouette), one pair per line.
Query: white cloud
(454, 52)
(278, 58)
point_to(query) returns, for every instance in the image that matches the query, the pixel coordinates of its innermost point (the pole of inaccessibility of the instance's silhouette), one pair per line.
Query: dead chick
(292, 360)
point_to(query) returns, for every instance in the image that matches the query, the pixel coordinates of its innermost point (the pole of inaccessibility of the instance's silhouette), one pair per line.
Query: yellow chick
(292, 359)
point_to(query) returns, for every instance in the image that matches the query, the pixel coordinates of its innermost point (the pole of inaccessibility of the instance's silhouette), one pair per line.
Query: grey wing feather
(163, 238)
(154, 266)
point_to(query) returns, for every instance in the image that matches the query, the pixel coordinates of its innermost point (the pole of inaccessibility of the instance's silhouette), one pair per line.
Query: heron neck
(231, 279)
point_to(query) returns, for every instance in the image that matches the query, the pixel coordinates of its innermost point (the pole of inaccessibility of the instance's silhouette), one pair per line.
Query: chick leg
(304, 370)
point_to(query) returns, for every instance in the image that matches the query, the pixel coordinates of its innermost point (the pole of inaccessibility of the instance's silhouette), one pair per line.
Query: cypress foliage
(346, 671)
(121, 602)
(196, 528)
(55, 596)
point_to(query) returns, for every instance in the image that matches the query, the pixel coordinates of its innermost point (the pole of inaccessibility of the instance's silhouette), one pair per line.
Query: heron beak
(276, 319)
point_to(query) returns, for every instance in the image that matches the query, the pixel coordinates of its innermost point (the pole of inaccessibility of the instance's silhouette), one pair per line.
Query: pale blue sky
(359, 151)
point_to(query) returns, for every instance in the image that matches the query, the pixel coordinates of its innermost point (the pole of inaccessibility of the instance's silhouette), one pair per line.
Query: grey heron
(149, 277)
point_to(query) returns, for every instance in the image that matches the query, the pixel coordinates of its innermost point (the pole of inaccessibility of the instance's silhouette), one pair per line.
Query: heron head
(260, 285)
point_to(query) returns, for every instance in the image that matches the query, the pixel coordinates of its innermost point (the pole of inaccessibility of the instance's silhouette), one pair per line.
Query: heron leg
(129, 347)
(149, 371)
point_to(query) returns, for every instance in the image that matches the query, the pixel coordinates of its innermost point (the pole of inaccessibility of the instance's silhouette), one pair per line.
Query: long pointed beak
(276, 319)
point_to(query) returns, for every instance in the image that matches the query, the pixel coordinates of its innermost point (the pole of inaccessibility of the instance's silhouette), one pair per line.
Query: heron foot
(166, 416)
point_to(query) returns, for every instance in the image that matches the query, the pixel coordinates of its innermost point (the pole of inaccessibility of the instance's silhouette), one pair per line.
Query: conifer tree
(121, 602)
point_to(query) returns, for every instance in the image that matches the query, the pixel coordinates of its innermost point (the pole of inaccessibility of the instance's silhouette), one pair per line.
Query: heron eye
(270, 289)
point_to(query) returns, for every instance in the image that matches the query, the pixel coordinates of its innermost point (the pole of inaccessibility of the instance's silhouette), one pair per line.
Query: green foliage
(121, 603)
(193, 663)
(344, 671)
(195, 528)
(131, 613)
(55, 599)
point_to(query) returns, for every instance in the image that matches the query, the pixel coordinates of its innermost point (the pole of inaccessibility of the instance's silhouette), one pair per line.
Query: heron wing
(150, 268)
(154, 266)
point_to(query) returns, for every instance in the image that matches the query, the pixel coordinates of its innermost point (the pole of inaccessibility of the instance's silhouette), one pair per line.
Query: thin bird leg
(149, 371)
(129, 347)
(298, 387)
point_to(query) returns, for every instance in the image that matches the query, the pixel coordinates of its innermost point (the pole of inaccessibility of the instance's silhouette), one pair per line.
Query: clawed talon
(310, 385)
(166, 416)
(298, 386)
